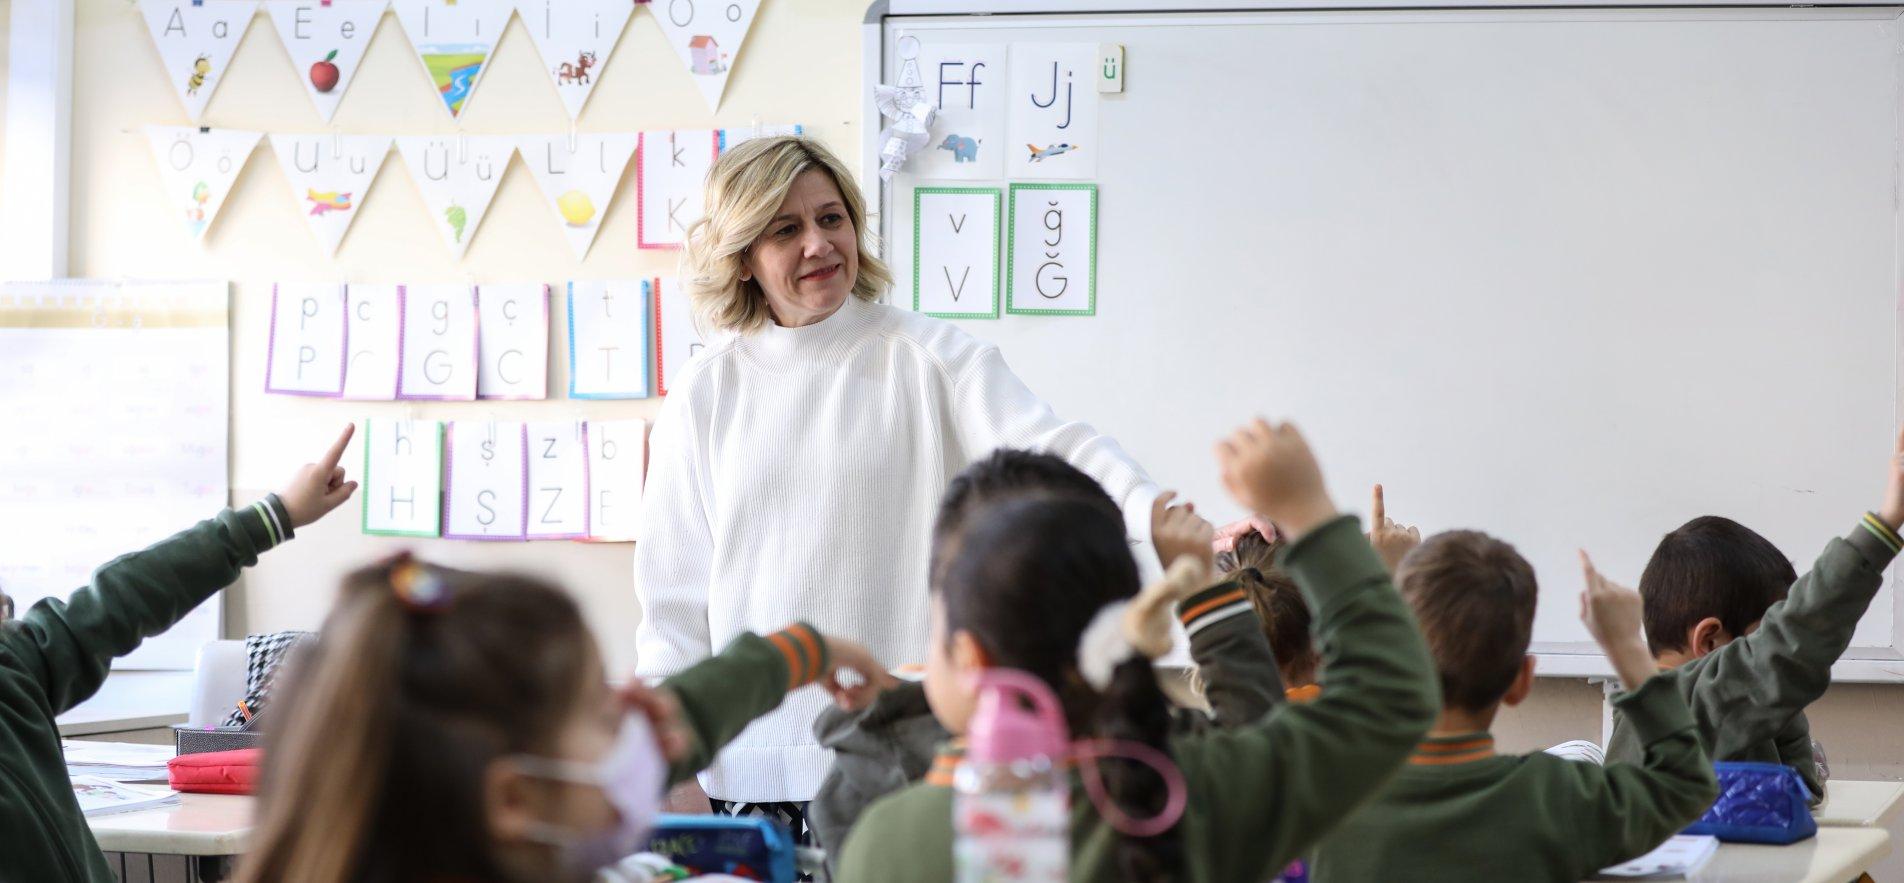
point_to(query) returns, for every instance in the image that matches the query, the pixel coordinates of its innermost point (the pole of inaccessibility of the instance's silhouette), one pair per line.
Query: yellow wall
(800, 65)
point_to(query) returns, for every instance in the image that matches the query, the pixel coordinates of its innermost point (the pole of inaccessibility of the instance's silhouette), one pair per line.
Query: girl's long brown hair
(378, 742)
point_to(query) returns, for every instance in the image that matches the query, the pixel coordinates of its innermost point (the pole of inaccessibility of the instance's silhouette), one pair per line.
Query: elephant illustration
(963, 149)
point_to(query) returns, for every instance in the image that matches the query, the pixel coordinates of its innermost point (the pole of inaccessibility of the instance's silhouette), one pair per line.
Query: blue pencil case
(750, 848)
(1758, 803)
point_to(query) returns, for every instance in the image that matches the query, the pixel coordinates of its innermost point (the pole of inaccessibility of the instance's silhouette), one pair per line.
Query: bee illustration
(200, 70)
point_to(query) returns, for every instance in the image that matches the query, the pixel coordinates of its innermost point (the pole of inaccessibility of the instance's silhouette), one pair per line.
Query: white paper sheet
(677, 339)
(955, 273)
(195, 43)
(1053, 250)
(617, 458)
(197, 169)
(326, 40)
(558, 480)
(309, 333)
(608, 339)
(330, 175)
(1051, 111)
(674, 166)
(458, 177)
(403, 477)
(486, 495)
(574, 38)
(513, 327)
(454, 40)
(375, 314)
(439, 343)
(967, 82)
(708, 38)
(579, 183)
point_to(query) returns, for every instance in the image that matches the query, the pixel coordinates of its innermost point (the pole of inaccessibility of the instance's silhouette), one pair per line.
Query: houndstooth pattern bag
(263, 655)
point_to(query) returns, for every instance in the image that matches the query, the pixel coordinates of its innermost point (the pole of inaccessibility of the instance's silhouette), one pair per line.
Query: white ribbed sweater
(794, 475)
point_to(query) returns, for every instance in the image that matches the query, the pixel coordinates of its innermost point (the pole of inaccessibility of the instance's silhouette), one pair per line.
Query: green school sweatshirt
(1748, 698)
(1459, 812)
(56, 656)
(1258, 794)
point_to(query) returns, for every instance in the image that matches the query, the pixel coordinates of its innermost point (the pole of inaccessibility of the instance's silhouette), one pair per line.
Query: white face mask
(633, 777)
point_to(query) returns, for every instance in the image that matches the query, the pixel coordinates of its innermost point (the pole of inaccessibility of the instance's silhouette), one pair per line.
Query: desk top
(131, 700)
(1850, 804)
(1834, 856)
(199, 824)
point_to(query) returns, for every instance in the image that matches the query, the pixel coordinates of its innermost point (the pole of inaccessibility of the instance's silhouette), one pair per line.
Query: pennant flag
(197, 168)
(454, 39)
(329, 176)
(326, 40)
(458, 176)
(195, 43)
(731, 138)
(581, 182)
(707, 36)
(575, 38)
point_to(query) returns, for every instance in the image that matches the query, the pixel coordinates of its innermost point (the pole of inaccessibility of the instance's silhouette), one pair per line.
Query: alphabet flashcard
(677, 338)
(672, 167)
(955, 251)
(1052, 265)
(439, 343)
(608, 339)
(1052, 111)
(488, 475)
(513, 329)
(308, 340)
(966, 82)
(375, 323)
(617, 458)
(558, 480)
(403, 477)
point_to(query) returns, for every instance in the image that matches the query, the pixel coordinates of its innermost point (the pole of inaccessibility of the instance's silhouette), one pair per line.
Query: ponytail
(1134, 709)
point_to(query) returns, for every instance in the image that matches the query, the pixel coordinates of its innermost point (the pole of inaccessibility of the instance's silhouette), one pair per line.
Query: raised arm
(68, 646)
(674, 556)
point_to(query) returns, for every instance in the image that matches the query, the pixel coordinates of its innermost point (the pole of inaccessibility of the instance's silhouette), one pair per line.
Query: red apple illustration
(324, 74)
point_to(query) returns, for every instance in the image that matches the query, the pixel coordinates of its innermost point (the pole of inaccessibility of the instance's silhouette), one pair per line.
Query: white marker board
(1571, 276)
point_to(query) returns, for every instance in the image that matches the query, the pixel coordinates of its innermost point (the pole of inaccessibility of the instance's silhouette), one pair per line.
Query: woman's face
(808, 259)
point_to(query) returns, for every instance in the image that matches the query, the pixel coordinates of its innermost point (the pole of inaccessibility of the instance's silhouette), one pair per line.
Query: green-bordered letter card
(403, 477)
(1051, 250)
(955, 251)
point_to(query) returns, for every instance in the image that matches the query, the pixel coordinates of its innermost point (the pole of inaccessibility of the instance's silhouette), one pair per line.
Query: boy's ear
(967, 653)
(1707, 635)
(1523, 685)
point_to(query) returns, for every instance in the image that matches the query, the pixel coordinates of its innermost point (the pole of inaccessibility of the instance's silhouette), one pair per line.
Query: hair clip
(418, 587)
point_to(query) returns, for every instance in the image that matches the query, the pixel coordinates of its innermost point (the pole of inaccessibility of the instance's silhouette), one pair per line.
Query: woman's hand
(1178, 531)
(872, 677)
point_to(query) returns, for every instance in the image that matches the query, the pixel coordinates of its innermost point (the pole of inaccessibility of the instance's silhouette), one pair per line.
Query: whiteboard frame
(1859, 665)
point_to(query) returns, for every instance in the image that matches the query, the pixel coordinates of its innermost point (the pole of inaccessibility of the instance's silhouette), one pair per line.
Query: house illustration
(705, 56)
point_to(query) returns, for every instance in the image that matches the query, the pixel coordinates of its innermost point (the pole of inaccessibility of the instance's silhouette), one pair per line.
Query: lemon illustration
(576, 208)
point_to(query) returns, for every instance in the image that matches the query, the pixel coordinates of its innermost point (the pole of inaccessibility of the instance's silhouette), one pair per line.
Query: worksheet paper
(118, 394)
(402, 484)
(487, 481)
(558, 480)
(513, 335)
(438, 360)
(955, 251)
(376, 320)
(608, 339)
(309, 336)
(617, 454)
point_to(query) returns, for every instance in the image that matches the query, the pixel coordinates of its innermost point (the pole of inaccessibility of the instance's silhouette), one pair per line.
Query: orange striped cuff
(1218, 602)
(805, 653)
(1453, 750)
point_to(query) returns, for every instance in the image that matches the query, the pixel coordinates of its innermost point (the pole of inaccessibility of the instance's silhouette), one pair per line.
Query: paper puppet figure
(908, 111)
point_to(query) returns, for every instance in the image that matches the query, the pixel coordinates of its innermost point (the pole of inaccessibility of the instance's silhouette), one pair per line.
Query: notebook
(1680, 856)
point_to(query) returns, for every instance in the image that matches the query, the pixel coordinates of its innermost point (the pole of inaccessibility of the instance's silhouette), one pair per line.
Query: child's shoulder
(899, 830)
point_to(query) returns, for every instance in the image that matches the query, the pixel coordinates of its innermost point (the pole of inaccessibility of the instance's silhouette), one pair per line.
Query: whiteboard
(1569, 276)
(116, 401)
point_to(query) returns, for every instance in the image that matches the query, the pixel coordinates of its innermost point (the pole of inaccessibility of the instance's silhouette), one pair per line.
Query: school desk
(1853, 804)
(198, 836)
(130, 701)
(1836, 855)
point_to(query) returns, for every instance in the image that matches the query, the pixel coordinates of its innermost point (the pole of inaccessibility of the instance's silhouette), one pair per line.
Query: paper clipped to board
(486, 481)
(403, 477)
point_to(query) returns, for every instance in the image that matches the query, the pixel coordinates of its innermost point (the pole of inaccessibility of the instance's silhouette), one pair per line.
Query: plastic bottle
(1011, 812)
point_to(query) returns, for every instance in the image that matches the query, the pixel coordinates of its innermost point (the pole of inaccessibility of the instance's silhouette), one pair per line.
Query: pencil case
(748, 848)
(1758, 803)
(214, 772)
(198, 740)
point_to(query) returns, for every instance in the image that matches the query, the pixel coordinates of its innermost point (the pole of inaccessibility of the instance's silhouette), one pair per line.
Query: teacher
(797, 464)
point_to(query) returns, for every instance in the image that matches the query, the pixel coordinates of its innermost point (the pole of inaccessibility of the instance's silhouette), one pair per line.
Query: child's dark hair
(1009, 472)
(1027, 577)
(1285, 616)
(1474, 597)
(1710, 566)
(391, 717)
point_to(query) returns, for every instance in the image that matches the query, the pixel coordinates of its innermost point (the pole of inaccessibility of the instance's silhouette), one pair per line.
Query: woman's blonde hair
(744, 191)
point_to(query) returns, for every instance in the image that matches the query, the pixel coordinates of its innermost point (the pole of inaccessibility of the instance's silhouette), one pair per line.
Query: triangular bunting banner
(575, 38)
(197, 168)
(581, 182)
(195, 43)
(454, 39)
(458, 176)
(707, 36)
(329, 175)
(326, 39)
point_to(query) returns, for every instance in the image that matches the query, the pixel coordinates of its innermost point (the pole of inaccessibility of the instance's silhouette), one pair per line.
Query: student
(1018, 589)
(1747, 655)
(57, 654)
(891, 744)
(1460, 812)
(451, 726)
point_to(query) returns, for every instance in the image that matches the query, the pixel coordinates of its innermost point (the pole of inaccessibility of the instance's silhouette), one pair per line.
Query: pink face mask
(633, 777)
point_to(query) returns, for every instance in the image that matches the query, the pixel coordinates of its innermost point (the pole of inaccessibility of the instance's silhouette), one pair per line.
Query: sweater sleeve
(1747, 691)
(68, 646)
(1307, 767)
(996, 410)
(1232, 654)
(720, 696)
(1627, 809)
(674, 557)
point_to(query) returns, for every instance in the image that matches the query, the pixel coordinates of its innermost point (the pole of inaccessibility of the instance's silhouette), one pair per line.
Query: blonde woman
(797, 464)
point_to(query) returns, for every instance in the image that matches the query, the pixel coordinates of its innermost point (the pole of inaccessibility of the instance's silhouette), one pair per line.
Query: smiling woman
(798, 461)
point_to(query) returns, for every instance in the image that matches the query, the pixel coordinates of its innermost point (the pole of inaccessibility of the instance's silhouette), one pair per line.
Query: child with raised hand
(1461, 812)
(1019, 590)
(56, 655)
(1747, 654)
(459, 726)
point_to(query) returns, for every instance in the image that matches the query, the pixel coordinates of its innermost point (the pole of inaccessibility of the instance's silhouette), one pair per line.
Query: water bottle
(1011, 810)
